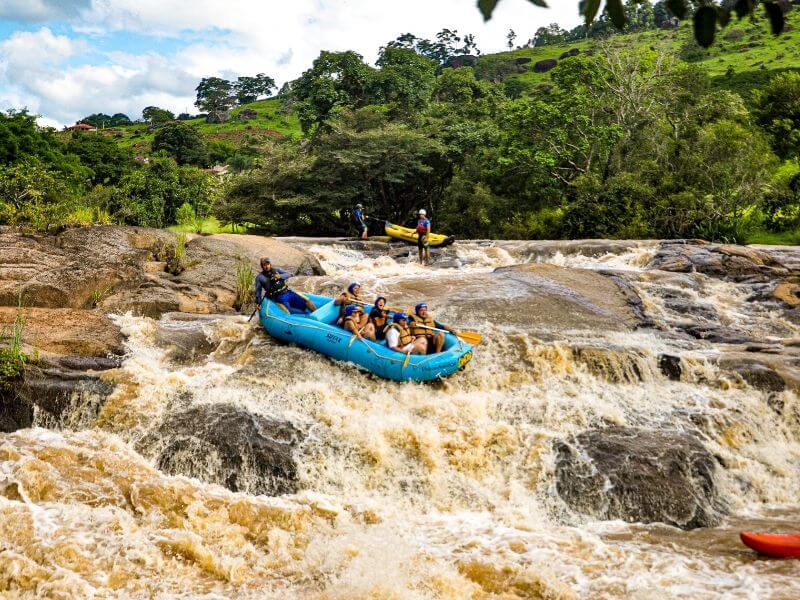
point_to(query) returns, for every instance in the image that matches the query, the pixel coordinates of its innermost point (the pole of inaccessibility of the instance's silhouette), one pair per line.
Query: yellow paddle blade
(405, 362)
(471, 337)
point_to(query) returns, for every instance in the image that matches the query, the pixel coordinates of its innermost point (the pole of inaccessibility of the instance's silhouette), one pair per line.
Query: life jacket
(428, 322)
(380, 322)
(275, 287)
(405, 334)
(350, 297)
(352, 319)
(422, 226)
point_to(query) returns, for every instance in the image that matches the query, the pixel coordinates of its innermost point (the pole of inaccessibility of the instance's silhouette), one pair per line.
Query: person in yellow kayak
(400, 339)
(353, 315)
(422, 321)
(423, 237)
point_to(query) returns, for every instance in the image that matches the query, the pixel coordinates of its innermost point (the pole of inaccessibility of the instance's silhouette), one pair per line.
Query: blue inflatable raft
(318, 331)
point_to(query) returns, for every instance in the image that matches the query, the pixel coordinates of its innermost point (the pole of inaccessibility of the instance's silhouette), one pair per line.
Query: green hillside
(270, 122)
(744, 54)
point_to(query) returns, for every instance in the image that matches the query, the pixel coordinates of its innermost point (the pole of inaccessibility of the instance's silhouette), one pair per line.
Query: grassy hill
(270, 122)
(744, 55)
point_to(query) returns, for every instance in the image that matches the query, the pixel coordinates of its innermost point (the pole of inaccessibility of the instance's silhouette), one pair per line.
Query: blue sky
(64, 59)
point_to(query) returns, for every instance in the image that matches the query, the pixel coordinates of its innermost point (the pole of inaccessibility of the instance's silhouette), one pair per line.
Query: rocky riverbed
(623, 385)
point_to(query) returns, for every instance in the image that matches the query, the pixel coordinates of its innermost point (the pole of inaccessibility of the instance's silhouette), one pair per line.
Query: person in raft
(379, 316)
(352, 295)
(422, 321)
(353, 315)
(423, 231)
(271, 283)
(360, 221)
(400, 339)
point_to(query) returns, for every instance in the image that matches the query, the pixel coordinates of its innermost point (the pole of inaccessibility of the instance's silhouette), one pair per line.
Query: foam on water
(409, 490)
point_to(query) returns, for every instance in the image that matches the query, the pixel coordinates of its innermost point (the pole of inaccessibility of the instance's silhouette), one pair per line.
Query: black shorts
(361, 228)
(422, 241)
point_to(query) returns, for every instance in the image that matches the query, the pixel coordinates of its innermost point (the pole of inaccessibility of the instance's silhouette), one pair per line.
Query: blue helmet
(352, 285)
(350, 309)
(400, 317)
(419, 307)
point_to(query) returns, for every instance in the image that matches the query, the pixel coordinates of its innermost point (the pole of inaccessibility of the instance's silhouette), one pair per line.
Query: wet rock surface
(639, 475)
(225, 444)
(126, 268)
(736, 263)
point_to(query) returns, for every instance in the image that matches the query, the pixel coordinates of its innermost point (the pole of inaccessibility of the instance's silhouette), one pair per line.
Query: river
(407, 490)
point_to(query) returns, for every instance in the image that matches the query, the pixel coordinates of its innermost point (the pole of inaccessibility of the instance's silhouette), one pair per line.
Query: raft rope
(353, 337)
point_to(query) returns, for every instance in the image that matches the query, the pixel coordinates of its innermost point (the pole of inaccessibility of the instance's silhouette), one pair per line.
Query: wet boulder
(227, 445)
(543, 66)
(725, 261)
(639, 475)
(16, 412)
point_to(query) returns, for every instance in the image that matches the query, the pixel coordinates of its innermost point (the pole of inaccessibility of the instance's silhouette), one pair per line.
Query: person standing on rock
(271, 283)
(360, 221)
(423, 233)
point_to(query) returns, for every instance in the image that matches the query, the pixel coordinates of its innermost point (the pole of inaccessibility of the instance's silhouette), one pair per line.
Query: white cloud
(39, 11)
(226, 38)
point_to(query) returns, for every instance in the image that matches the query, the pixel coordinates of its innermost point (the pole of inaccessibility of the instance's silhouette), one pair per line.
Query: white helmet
(423, 212)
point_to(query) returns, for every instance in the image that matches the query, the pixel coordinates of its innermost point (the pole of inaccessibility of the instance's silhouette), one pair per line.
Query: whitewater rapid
(406, 490)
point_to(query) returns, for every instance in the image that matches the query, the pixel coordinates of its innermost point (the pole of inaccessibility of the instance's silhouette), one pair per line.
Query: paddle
(255, 310)
(471, 337)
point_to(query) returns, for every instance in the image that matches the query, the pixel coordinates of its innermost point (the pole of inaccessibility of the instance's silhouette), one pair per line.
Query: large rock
(542, 297)
(66, 331)
(124, 269)
(726, 261)
(543, 66)
(227, 445)
(75, 267)
(639, 475)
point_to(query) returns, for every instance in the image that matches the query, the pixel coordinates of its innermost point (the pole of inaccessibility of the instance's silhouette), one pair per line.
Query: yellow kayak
(410, 235)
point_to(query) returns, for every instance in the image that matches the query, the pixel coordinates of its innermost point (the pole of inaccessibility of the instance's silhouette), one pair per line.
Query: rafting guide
(423, 237)
(360, 220)
(271, 284)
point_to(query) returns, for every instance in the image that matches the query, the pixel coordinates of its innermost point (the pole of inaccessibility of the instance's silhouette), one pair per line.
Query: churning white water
(409, 490)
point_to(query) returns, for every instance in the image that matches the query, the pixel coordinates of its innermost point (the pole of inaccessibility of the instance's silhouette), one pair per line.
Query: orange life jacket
(405, 335)
(428, 322)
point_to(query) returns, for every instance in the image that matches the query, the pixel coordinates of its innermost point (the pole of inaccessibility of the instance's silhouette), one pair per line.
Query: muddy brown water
(418, 491)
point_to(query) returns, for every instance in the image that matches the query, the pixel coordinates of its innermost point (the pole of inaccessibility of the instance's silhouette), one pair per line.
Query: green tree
(107, 160)
(250, 89)
(33, 195)
(405, 81)
(447, 44)
(155, 115)
(214, 94)
(183, 142)
(778, 112)
(336, 80)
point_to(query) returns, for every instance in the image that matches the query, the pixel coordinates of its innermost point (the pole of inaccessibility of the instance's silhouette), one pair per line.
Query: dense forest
(638, 134)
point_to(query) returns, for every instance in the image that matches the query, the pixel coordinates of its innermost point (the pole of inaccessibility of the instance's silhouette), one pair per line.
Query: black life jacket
(275, 287)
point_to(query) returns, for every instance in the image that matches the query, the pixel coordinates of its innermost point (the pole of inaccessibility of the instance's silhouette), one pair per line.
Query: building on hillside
(82, 127)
